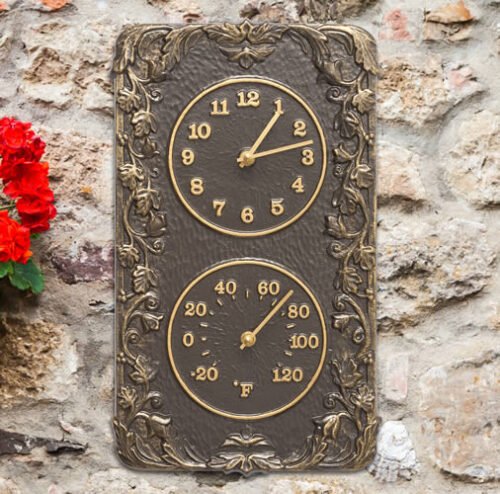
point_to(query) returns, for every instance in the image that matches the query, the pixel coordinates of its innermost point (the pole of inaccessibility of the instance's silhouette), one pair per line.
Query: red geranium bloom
(18, 143)
(35, 213)
(30, 179)
(14, 240)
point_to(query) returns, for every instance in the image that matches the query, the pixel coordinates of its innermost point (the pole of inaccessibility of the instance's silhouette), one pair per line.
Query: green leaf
(27, 277)
(5, 268)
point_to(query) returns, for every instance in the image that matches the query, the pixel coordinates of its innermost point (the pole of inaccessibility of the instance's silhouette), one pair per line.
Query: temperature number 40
(226, 287)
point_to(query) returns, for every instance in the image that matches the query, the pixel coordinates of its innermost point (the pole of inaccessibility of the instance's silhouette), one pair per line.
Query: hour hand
(247, 157)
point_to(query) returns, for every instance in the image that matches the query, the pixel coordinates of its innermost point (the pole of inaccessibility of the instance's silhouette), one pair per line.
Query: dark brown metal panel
(245, 276)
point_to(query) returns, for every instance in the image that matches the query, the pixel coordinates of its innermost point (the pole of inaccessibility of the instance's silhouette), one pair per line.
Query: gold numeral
(286, 375)
(198, 309)
(188, 339)
(218, 205)
(206, 373)
(301, 341)
(199, 131)
(187, 156)
(298, 185)
(307, 157)
(219, 108)
(278, 103)
(197, 187)
(301, 311)
(224, 287)
(299, 128)
(248, 98)
(277, 208)
(247, 215)
(268, 287)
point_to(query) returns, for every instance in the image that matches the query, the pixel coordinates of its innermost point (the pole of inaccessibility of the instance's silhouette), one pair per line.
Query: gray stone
(27, 357)
(461, 427)
(450, 22)
(398, 174)
(55, 95)
(7, 486)
(395, 377)
(471, 162)
(270, 11)
(423, 265)
(417, 90)
(96, 99)
(86, 262)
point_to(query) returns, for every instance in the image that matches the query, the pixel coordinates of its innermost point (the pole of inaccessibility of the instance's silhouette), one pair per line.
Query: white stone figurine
(395, 456)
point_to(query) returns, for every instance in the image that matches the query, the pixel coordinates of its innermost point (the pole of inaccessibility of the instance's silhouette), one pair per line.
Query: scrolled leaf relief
(245, 452)
(148, 55)
(246, 44)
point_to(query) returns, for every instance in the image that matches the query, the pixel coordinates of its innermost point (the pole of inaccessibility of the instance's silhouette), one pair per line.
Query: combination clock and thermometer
(245, 247)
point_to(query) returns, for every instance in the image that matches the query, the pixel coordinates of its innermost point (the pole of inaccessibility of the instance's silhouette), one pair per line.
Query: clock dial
(247, 339)
(247, 156)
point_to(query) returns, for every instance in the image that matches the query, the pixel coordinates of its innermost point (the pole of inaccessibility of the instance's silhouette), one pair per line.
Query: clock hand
(246, 157)
(248, 338)
(283, 148)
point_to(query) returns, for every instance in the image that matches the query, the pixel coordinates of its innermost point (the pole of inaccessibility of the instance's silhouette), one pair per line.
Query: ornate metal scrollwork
(147, 55)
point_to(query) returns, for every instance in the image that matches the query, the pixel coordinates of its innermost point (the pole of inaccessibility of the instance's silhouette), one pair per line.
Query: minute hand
(282, 149)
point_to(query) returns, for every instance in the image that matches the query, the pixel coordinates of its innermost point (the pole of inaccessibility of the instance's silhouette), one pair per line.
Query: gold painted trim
(227, 82)
(281, 270)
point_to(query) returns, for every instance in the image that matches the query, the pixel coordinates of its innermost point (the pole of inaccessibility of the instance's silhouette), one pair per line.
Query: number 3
(307, 157)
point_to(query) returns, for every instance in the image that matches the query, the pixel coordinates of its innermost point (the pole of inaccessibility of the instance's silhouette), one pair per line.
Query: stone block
(459, 407)
(399, 175)
(451, 22)
(395, 378)
(424, 264)
(471, 158)
(417, 90)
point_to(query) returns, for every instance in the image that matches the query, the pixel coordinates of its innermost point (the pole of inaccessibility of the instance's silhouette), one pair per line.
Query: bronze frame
(148, 440)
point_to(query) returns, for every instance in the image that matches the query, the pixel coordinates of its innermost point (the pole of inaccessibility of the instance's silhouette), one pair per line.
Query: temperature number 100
(302, 341)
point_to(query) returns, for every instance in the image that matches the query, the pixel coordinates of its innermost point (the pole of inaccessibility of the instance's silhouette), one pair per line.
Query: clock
(245, 247)
(258, 315)
(267, 143)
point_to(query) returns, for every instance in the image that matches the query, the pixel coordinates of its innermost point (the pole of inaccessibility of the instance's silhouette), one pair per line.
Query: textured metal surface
(162, 247)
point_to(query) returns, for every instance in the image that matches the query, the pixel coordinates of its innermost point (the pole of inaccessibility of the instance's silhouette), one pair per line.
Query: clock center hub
(246, 159)
(248, 339)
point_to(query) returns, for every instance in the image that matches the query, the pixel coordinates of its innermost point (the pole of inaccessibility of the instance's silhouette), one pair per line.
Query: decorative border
(147, 439)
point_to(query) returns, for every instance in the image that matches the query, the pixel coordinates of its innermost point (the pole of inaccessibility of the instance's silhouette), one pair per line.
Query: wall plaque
(245, 247)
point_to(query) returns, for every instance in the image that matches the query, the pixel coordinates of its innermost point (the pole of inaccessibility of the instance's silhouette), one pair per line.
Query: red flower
(14, 240)
(35, 213)
(25, 178)
(30, 179)
(18, 144)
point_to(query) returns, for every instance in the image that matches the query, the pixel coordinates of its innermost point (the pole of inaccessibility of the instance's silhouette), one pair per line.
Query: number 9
(187, 156)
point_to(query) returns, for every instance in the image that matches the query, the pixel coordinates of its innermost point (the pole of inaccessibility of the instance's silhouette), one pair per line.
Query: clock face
(247, 339)
(247, 156)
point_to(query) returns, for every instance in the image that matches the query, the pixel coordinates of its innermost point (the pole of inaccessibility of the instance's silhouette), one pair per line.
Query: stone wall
(439, 221)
